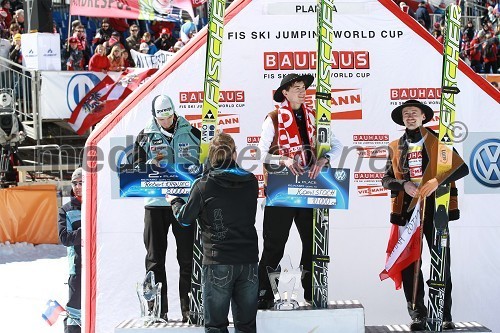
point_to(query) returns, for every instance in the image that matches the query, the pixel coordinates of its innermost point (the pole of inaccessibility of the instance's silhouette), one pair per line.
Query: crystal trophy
(284, 283)
(149, 294)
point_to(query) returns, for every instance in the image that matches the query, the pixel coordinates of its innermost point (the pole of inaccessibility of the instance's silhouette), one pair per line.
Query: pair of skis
(209, 114)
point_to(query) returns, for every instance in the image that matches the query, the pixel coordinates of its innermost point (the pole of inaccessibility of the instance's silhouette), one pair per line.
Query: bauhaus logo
(485, 162)
(302, 60)
(415, 93)
(234, 96)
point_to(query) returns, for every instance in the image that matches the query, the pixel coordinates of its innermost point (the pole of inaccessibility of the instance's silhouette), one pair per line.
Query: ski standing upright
(444, 164)
(209, 113)
(323, 118)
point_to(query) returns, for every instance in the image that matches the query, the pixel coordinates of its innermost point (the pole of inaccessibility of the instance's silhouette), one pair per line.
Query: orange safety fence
(29, 214)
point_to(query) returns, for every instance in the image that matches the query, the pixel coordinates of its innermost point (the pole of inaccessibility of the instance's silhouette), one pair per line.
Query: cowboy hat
(288, 80)
(397, 113)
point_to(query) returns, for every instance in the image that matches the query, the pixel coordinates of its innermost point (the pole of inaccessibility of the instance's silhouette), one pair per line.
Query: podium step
(465, 326)
(339, 317)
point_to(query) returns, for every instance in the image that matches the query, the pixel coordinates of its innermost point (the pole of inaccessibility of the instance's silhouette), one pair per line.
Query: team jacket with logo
(183, 148)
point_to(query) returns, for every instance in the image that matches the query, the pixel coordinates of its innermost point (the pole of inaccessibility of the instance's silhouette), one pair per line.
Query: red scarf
(289, 140)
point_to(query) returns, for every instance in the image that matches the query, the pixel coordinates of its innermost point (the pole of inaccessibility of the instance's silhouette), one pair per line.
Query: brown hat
(397, 113)
(288, 80)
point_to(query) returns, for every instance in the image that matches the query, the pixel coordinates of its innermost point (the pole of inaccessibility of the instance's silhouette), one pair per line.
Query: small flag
(52, 312)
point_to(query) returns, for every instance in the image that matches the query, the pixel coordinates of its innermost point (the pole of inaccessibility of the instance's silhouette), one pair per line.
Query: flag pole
(419, 260)
(69, 28)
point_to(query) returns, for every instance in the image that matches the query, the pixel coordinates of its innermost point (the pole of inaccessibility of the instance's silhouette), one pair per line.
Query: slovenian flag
(52, 312)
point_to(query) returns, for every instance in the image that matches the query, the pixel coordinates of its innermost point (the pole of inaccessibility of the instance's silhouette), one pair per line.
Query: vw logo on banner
(78, 86)
(485, 162)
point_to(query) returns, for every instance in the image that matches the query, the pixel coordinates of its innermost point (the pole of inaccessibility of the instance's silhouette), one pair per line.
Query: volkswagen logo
(340, 175)
(485, 162)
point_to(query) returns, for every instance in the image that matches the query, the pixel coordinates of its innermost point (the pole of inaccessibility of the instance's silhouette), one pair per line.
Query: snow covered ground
(30, 276)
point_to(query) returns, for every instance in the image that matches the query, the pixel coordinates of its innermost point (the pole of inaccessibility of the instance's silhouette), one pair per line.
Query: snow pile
(30, 275)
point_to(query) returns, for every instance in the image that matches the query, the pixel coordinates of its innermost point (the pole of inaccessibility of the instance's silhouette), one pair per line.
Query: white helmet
(162, 106)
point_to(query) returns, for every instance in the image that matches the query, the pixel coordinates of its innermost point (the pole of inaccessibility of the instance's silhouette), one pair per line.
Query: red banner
(157, 10)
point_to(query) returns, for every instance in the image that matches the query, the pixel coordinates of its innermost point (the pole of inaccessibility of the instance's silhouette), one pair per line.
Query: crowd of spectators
(479, 46)
(107, 48)
(110, 48)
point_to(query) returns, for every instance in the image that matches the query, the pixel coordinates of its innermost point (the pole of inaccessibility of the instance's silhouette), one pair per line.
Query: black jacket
(224, 201)
(69, 226)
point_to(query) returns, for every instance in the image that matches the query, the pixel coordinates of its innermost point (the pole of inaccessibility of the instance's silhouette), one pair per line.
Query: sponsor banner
(369, 184)
(62, 91)
(154, 181)
(306, 60)
(233, 96)
(227, 123)
(253, 141)
(260, 179)
(430, 96)
(41, 51)
(4, 53)
(157, 60)
(346, 103)
(157, 10)
(391, 44)
(372, 191)
(329, 190)
(371, 145)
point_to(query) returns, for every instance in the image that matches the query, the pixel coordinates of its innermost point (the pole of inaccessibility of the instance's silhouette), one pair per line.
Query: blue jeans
(225, 284)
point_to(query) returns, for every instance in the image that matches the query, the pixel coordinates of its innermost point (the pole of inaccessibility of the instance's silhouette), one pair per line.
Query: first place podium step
(339, 317)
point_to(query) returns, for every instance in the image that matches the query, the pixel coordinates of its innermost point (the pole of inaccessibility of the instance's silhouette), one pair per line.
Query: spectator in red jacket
(490, 55)
(476, 51)
(5, 5)
(99, 61)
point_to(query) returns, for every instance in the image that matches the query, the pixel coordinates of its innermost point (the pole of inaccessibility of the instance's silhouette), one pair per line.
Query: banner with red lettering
(381, 57)
(157, 10)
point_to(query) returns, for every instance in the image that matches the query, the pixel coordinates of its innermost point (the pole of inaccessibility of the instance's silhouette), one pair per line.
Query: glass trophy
(284, 283)
(149, 294)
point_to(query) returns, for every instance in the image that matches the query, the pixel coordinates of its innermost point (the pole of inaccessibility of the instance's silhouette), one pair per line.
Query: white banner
(156, 60)
(4, 53)
(41, 51)
(62, 91)
(383, 57)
